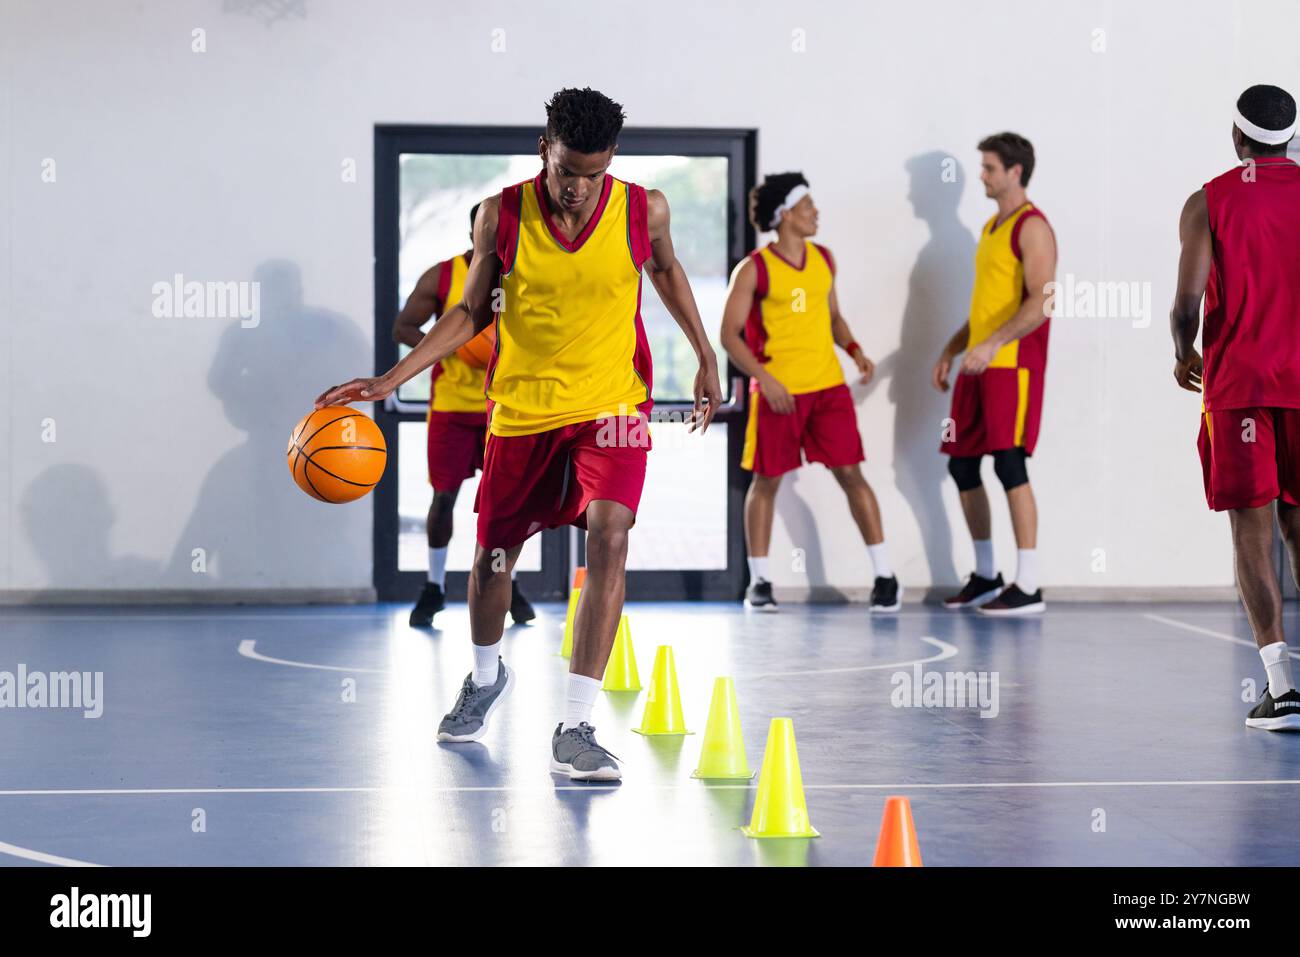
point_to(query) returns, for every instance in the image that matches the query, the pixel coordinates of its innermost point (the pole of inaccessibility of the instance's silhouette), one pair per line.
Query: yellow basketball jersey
(1000, 289)
(789, 325)
(570, 343)
(457, 386)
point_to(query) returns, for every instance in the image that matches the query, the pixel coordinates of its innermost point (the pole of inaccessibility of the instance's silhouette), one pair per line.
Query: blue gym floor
(1125, 715)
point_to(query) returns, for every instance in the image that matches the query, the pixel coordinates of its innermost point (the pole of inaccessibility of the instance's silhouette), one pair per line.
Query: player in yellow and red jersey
(457, 427)
(998, 398)
(569, 394)
(781, 324)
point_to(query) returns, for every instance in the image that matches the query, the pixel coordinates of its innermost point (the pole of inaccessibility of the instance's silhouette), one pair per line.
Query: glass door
(688, 541)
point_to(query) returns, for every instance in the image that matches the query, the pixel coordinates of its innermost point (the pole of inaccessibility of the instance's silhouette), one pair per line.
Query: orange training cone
(897, 846)
(579, 579)
(779, 808)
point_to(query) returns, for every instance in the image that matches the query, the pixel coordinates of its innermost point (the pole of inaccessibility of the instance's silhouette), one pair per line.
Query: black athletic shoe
(977, 592)
(1276, 714)
(431, 602)
(1013, 601)
(759, 596)
(886, 596)
(520, 609)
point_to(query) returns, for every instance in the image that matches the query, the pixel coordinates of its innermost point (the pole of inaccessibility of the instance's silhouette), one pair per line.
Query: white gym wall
(227, 165)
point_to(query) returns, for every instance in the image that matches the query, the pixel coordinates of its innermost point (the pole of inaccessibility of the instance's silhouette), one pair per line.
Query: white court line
(1206, 631)
(248, 650)
(13, 850)
(542, 788)
(946, 651)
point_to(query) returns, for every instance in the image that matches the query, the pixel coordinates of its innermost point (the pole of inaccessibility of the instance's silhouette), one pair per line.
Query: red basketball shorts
(1250, 457)
(547, 479)
(996, 409)
(455, 447)
(822, 428)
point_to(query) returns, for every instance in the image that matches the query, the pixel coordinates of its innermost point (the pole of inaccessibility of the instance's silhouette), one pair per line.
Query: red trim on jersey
(826, 254)
(755, 334)
(508, 226)
(444, 285)
(1015, 230)
(638, 225)
(777, 253)
(492, 360)
(641, 359)
(539, 190)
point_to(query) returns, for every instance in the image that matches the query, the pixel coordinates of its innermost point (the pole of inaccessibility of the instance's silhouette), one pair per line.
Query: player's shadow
(255, 527)
(801, 525)
(68, 518)
(938, 300)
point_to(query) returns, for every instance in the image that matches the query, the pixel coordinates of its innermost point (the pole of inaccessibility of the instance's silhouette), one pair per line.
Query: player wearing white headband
(781, 325)
(1241, 252)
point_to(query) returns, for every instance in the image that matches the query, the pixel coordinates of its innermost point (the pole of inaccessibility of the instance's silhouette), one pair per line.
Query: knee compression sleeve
(1009, 464)
(966, 471)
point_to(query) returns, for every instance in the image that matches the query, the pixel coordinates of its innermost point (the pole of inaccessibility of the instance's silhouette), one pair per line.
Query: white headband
(1261, 135)
(792, 197)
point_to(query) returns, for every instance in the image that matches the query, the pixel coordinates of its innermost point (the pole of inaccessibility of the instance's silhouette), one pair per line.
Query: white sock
(984, 566)
(485, 664)
(581, 698)
(1027, 570)
(758, 569)
(438, 566)
(1277, 662)
(880, 558)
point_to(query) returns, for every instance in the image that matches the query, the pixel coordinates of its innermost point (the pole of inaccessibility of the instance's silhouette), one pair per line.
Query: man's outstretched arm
(455, 328)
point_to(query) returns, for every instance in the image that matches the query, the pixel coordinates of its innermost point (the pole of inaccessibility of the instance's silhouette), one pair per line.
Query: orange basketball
(337, 454)
(479, 350)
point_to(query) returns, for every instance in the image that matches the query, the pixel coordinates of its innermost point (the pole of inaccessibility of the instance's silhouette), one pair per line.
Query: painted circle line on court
(946, 651)
(27, 854)
(248, 649)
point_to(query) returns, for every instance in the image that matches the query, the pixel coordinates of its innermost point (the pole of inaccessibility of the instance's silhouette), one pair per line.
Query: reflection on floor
(306, 736)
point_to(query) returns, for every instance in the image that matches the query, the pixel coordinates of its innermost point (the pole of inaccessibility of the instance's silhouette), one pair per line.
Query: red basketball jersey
(1251, 341)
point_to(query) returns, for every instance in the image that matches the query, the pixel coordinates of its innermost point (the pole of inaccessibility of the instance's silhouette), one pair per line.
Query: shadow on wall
(938, 301)
(801, 526)
(68, 519)
(256, 529)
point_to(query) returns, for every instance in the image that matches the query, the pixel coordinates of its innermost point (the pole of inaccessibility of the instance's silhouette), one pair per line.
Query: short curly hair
(584, 120)
(766, 198)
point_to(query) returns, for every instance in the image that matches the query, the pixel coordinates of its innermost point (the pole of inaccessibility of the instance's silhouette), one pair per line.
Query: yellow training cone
(579, 579)
(779, 808)
(723, 752)
(663, 705)
(621, 673)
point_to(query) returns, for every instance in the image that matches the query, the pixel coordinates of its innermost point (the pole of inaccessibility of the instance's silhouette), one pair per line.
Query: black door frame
(740, 147)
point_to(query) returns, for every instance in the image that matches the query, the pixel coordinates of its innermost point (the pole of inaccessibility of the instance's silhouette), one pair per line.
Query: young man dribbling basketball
(566, 250)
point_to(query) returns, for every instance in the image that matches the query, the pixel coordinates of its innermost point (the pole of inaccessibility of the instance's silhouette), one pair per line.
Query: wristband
(851, 347)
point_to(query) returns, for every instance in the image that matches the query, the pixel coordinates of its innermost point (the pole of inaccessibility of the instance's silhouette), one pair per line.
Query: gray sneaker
(576, 753)
(468, 718)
